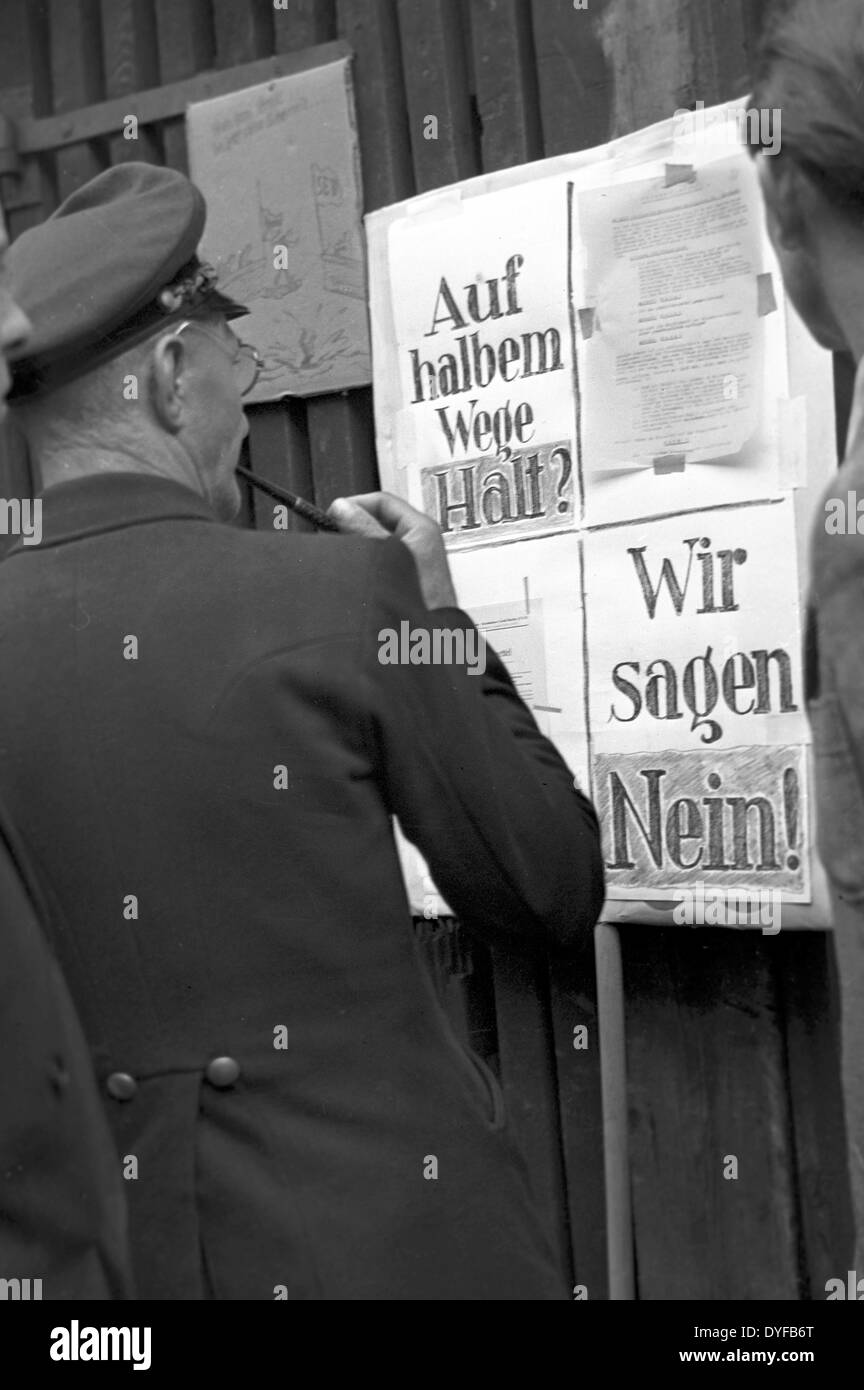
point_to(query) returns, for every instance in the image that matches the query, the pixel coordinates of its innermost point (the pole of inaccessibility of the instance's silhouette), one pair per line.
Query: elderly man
(204, 753)
(62, 1217)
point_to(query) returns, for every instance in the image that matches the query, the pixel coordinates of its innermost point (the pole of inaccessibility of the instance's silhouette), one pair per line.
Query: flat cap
(113, 263)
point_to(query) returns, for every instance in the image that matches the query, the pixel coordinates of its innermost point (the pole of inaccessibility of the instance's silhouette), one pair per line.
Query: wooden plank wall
(731, 1038)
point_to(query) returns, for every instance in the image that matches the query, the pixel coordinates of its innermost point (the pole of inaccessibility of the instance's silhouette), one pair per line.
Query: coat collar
(109, 501)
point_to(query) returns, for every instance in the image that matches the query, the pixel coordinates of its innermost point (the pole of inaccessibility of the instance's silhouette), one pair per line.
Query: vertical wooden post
(811, 1010)
(244, 30)
(572, 74)
(616, 1149)
(711, 1139)
(279, 451)
(578, 1050)
(42, 86)
(341, 426)
(187, 44)
(508, 98)
(77, 79)
(441, 121)
(303, 24)
(371, 28)
(131, 65)
(342, 444)
(20, 193)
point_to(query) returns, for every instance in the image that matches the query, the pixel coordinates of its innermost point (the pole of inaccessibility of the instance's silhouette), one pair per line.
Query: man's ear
(169, 365)
(788, 200)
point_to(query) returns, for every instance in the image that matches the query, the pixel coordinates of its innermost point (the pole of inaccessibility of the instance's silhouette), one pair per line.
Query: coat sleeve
(510, 840)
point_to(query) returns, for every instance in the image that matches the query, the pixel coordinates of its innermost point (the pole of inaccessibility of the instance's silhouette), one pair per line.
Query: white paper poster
(645, 588)
(696, 702)
(279, 167)
(483, 415)
(677, 350)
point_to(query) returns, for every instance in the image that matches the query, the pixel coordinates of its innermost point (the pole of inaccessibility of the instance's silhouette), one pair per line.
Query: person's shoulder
(341, 560)
(335, 579)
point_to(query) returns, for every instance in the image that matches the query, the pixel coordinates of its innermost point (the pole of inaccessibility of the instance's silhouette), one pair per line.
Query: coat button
(121, 1085)
(222, 1072)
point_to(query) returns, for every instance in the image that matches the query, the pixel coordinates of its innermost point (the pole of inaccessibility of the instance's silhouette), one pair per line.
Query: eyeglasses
(246, 362)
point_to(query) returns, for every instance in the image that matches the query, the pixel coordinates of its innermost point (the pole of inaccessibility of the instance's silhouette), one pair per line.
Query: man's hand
(382, 514)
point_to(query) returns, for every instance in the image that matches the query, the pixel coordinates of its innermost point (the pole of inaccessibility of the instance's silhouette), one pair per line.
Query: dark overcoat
(203, 752)
(62, 1212)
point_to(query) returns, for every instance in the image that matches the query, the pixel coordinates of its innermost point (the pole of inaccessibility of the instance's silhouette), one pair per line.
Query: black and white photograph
(431, 671)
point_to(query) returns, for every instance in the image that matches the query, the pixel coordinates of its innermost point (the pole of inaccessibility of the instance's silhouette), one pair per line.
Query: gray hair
(100, 400)
(811, 67)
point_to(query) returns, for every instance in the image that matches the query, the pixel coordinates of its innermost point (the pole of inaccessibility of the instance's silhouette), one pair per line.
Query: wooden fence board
(131, 64)
(244, 30)
(371, 28)
(693, 52)
(573, 78)
(342, 445)
(436, 79)
(16, 95)
(186, 36)
(719, 60)
(22, 192)
(304, 23)
(279, 451)
(811, 1005)
(187, 44)
(16, 478)
(707, 1072)
(573, 996)
(508, 99)
(42, 92)
(77, 79)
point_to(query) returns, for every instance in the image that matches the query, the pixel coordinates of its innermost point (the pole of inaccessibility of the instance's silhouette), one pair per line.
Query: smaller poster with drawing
(278, 165)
